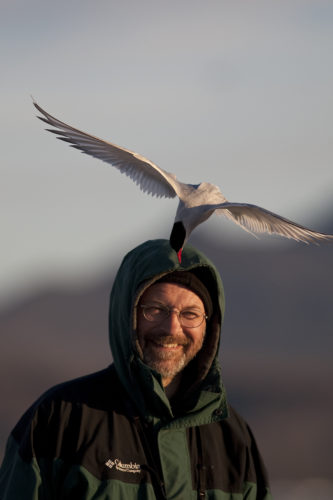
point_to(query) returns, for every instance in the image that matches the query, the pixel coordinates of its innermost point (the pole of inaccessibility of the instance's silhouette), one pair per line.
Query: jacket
(115, 435)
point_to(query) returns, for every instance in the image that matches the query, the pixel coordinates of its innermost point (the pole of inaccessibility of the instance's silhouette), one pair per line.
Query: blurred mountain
(276, 351)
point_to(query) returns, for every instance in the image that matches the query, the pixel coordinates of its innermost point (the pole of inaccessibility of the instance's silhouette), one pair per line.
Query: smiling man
(156, 423)
(172, 325)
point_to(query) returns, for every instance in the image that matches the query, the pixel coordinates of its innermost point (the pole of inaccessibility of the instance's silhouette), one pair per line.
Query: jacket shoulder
(237, 424)
(86, 398)
(95, 389)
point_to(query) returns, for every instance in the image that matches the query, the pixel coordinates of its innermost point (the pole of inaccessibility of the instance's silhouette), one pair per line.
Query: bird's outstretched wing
(148, 176)
(255, 219)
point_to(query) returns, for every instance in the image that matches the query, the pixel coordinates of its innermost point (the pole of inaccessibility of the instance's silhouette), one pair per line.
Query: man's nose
(172, 322)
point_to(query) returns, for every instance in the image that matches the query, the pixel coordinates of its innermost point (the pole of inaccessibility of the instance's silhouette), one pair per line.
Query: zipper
(202, 476)
(154, 470)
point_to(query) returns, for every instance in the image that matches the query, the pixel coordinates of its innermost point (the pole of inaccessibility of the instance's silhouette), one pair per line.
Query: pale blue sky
(236, 93)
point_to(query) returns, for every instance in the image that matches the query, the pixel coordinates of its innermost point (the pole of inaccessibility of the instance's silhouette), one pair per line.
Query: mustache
(167, 339)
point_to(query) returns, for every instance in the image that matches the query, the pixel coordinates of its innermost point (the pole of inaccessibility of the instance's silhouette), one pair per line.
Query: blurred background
(235, 93)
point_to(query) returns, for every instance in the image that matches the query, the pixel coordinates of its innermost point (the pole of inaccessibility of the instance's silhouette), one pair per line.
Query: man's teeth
(166, 345)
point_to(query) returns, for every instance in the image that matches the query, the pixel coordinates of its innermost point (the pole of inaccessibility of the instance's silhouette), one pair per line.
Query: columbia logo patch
(132, 467)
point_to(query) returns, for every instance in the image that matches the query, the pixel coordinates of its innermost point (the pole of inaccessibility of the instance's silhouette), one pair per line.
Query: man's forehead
(187, 283)
(170, 293)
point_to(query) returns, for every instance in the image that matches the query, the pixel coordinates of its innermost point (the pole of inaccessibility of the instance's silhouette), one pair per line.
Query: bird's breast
(200, 194)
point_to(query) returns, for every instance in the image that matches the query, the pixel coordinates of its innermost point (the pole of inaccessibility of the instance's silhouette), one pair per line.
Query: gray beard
(173, 367)
(166, 371)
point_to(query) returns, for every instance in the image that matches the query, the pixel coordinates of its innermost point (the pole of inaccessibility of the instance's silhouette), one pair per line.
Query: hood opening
(197, 370)
(140, 268)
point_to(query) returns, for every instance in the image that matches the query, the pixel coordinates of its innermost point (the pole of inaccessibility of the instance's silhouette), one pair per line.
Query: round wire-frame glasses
(189, 318)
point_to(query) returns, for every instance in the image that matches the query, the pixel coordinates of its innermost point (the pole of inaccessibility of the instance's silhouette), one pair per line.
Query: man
(155, 424)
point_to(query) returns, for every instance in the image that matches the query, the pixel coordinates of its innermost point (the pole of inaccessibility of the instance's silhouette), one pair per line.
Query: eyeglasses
(189, 318)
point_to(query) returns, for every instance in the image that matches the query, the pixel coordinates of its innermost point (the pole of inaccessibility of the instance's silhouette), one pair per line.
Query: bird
(197, 202)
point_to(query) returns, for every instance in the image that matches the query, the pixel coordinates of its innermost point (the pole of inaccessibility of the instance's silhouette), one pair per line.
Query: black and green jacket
(114, 435)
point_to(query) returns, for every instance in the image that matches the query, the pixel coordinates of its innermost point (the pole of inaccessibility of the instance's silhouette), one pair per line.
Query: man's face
(168, 346)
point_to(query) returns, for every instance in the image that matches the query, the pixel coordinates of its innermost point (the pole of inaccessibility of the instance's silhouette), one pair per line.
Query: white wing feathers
(148, 176)
(197, 203)
(259, 220)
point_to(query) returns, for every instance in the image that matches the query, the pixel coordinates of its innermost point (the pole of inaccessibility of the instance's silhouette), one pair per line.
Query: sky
(234, 93)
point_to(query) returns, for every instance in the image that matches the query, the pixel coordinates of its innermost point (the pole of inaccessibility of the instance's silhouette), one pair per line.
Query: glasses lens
(155, 313)
(190, 318)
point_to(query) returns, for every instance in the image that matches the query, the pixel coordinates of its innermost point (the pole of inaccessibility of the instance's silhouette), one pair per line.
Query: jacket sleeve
(243, 450)
(21, 476)
(19, 479)
(257, 488)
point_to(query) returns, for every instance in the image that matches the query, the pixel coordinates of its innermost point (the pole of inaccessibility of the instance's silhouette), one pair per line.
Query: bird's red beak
(179, 255)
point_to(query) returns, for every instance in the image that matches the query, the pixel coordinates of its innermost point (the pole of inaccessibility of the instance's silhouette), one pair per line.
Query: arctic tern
(196, 202)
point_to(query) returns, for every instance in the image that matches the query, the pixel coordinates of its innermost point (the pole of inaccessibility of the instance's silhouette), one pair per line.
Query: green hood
(203, 397)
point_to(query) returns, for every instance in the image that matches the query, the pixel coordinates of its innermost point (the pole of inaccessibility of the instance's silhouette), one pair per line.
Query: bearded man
(156, 423)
